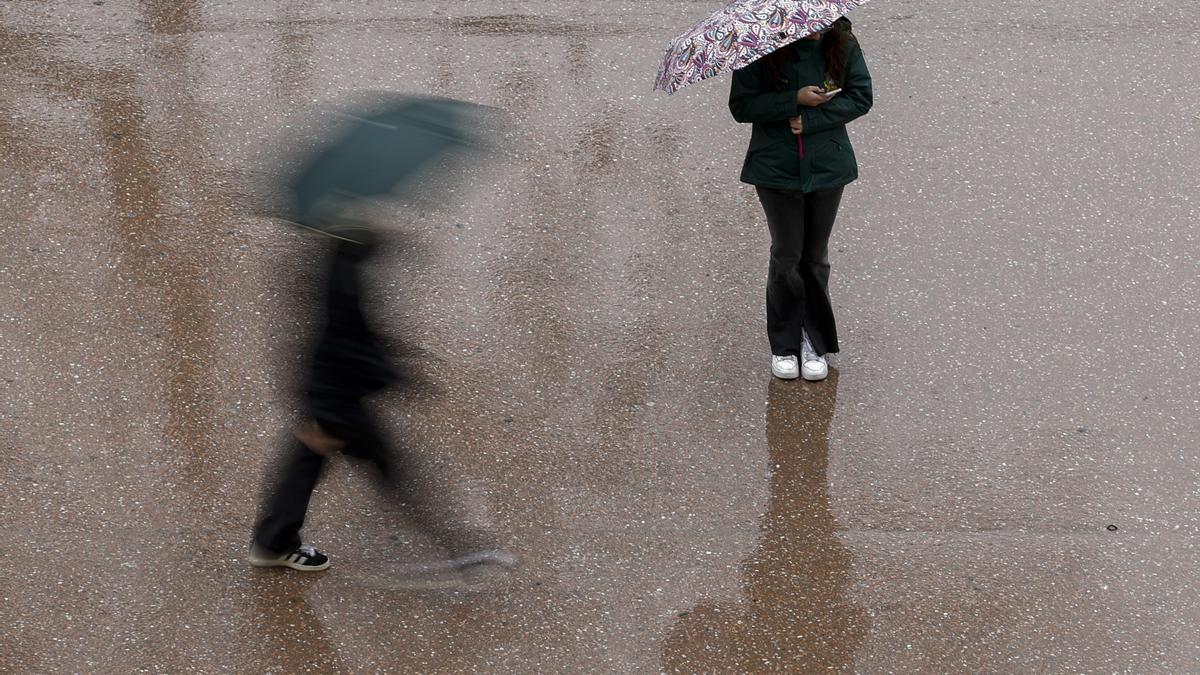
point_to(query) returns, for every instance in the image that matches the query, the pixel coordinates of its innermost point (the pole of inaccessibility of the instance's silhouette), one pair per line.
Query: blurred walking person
(349, 364)
(799, 99)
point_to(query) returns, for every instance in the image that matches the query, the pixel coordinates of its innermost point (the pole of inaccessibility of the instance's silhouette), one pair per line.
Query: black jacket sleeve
(750, 104)
(853, 102)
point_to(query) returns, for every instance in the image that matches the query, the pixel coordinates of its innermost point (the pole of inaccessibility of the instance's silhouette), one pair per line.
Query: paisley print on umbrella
(742, 32)
(728, 43)
(701, 63)
(776, 21)
(752, 38)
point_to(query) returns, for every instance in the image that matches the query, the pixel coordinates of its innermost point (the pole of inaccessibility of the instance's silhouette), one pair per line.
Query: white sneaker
(814, 368)
(785, 367)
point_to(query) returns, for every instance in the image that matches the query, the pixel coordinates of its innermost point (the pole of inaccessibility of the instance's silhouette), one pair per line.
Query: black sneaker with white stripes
(304, 557)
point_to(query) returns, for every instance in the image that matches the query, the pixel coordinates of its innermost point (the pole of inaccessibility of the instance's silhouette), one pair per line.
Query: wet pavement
(998, 475)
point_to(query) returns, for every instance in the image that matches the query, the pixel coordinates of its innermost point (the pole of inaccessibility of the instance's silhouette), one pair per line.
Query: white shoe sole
(495, 558)
(784, 376)
(816, 377)
(282, 562)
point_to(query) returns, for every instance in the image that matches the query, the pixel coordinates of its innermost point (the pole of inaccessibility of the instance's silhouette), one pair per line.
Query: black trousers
(299, 471)
(348, 365)
(798, 274)
(297, 475)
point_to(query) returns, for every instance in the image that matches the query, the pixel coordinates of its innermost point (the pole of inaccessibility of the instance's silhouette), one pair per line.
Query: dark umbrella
(377, 152)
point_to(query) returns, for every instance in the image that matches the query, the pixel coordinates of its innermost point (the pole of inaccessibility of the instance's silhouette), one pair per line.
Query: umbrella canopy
(742, 32)
(376, 153)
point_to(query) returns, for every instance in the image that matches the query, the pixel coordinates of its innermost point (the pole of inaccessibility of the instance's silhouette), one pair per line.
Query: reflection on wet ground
(796, 614)
(588, 317)
(289, 633)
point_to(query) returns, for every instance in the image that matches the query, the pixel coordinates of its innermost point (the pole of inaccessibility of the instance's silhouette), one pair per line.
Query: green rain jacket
(773, 159)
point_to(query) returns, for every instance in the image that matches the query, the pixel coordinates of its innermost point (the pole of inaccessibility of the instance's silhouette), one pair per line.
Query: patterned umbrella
(742, 32)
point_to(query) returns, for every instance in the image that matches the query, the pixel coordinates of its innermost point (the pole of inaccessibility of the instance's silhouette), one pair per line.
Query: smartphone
(830, 93)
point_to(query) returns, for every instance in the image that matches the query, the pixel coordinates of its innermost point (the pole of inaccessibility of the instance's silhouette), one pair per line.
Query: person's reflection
(798, 618)
(289, 635)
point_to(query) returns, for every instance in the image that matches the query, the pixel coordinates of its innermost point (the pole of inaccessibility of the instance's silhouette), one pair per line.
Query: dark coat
(349, 362)
(773, 159)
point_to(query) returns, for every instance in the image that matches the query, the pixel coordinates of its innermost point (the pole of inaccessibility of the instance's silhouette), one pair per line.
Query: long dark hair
(835, 44)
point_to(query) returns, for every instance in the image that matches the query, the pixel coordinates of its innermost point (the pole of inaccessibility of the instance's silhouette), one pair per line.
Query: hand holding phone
(811, 96)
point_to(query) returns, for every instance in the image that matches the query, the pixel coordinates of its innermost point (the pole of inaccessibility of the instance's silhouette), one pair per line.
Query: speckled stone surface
(1015, 275)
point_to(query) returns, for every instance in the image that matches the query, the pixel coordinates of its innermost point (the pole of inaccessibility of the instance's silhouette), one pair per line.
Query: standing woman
(799, 160)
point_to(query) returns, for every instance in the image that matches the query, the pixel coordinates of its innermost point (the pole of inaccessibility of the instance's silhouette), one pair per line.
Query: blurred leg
(399, 478)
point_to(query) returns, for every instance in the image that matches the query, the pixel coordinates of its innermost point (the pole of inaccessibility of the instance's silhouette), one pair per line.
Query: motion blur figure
(378, 152)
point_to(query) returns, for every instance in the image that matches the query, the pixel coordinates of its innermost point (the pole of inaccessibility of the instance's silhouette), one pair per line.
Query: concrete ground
(999, 474)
